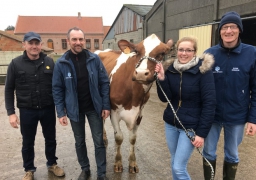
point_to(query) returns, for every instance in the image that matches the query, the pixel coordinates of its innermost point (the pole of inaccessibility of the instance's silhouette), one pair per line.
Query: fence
(5, 59)
(7, 56)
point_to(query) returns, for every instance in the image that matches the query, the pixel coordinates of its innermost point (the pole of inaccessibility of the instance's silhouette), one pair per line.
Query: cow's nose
(142, 72)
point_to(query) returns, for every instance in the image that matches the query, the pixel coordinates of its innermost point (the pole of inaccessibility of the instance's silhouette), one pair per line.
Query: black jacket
(192, 94)
(32, 82)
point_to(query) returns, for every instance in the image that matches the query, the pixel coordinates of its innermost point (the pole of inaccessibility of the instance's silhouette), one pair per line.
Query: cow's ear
(125, 46)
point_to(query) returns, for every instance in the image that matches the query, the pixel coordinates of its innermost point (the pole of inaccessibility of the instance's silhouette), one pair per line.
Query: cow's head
(148, 52)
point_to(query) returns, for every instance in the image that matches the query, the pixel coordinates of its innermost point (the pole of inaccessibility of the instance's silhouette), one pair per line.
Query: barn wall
(136, 36)
(181, 14)
(243, 7)
(154, 24)
(9, 44)
(202, 34)
(127, 21)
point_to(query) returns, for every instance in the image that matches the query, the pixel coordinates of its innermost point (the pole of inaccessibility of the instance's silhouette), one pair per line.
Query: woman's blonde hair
(191, 39)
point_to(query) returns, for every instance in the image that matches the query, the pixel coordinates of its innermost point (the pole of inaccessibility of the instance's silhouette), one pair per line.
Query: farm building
(177, 18)
(127, 25)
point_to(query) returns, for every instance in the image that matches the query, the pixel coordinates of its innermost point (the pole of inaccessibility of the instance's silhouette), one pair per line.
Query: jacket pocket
(21, 76)
(24, 100)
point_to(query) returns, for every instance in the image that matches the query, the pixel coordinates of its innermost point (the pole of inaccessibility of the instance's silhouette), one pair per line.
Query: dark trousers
(28, 126)
(96, 125)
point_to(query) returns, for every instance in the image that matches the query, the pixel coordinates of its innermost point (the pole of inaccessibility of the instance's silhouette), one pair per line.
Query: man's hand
(14, 120)
(251, 129)
(105, 114)
(63, 121)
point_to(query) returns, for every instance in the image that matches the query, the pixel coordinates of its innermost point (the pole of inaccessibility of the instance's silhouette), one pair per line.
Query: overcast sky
(107, 9)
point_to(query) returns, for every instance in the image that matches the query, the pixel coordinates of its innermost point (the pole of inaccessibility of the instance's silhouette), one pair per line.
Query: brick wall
(8, 44)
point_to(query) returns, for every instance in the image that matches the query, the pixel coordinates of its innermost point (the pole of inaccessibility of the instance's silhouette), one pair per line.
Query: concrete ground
(153, 157)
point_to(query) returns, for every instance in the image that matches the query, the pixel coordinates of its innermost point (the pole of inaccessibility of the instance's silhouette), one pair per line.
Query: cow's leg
(105, 138)
(133, 168)
(118, 166)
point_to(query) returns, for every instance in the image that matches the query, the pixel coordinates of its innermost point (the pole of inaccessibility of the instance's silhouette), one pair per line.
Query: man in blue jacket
(235, 82)
(81, 88)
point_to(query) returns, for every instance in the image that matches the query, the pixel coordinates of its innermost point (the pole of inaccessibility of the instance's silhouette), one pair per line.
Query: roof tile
(58, 24)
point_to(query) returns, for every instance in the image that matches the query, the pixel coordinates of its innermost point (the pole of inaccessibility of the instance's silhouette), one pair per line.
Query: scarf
(183, 67)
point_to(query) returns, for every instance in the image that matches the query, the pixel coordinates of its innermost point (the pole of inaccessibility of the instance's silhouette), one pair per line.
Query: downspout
(164, 30)
(214, 39)
(146, 21)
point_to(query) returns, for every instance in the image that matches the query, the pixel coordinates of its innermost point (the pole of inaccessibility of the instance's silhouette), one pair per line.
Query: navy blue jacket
(64, 86)
(195, 92)
(235, 81)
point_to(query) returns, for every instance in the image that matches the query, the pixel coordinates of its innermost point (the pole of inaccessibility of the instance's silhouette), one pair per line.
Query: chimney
(79, 15)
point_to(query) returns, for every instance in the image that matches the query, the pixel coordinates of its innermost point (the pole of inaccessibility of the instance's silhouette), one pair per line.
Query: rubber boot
(229, 170)
(208, 169)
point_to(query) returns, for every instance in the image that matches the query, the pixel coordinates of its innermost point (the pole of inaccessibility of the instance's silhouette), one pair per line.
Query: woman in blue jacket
(189, 85)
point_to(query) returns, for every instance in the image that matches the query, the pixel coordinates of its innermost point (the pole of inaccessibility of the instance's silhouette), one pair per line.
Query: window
(131, 40)
(64, 43)
(108, 45)
(96, 43)
(50, 43)
(88, 44)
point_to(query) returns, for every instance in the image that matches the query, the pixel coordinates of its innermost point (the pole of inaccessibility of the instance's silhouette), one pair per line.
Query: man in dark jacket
(30, 76)
(81, 88)
(235, 81)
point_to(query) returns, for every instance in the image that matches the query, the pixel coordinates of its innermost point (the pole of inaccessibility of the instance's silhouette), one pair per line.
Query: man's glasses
(232, 27)
(186, 50)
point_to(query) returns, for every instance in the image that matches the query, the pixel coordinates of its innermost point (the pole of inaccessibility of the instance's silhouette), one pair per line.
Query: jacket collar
(205, 64)
(41, 55)
(192, 70)
(89, 55)
(237, 49)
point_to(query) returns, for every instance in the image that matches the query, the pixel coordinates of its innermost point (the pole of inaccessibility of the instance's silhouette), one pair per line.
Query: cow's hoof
(133, 169)
(118, 168)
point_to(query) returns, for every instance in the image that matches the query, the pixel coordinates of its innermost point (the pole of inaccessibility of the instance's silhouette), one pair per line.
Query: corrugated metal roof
(203, 35)
(139, 9)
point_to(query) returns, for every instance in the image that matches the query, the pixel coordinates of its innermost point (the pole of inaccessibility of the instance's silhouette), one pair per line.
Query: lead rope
(192, 138)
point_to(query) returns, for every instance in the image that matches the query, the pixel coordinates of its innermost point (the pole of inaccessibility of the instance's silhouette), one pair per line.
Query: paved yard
(151, 151)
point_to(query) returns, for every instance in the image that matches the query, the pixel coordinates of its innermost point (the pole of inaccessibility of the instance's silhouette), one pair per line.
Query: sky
(107, 9)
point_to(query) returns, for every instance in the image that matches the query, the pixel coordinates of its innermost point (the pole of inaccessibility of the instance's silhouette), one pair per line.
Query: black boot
(208, 169)
(84, 175)
(229, 170)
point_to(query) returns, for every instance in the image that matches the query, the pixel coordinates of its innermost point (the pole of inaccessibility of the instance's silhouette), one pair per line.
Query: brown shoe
(28, 176)
(56, 170)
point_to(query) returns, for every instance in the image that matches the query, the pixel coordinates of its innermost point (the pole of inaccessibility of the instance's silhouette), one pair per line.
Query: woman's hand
(160, 70)
(198, 142)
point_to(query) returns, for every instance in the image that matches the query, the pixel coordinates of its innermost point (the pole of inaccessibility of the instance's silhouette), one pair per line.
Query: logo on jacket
(217, 70)
(47, 67)
(69, 76)
(235, 69)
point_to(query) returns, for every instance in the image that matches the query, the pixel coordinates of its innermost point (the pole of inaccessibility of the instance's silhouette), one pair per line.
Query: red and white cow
(131, 73)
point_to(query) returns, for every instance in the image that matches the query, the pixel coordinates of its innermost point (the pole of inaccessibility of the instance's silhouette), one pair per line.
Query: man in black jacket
(30, 76)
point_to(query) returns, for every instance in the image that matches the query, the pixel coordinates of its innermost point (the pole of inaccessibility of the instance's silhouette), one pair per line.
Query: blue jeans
(233, 136)
(181, 149)
(96, 125)
(28, 126)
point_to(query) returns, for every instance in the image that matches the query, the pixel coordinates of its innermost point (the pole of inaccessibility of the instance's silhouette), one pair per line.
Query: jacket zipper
(180, 101)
